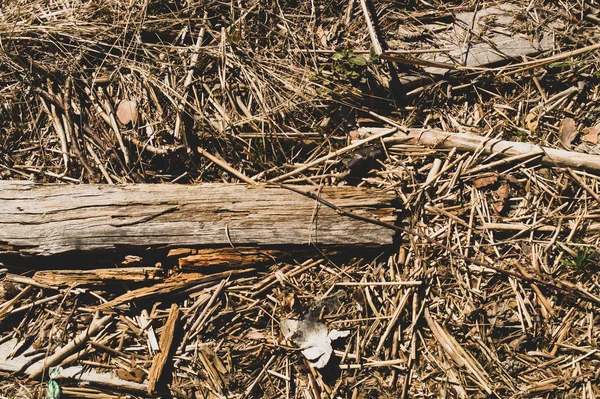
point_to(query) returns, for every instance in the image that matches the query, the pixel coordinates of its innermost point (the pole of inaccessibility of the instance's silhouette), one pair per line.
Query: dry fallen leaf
(322, 36)
(354, 135)
(127, 112)
(590, 134)
(135, 375)
(567, 132)
(531, 121)
(503, 192)
(312, 338)
(485, 181)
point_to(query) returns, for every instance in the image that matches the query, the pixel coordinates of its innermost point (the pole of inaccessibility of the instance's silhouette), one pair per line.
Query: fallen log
(49, 219)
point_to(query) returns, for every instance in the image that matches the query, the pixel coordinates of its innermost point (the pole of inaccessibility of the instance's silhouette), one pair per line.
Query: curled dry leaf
(590, 134)
(312, 338)
(127, 112)
(354, 135)
(503, 192)
(567, 132)
(322, 36)
(531, 121)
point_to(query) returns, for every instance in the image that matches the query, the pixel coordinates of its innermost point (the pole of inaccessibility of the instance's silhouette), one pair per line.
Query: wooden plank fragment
(166, 339)
(241, 257)
(49, 219)
(229, 257)
(97, 276)
(171, 284)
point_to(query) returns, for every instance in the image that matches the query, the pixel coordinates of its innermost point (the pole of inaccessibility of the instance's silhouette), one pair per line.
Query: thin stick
(188, 78)
(332, 155)
(224, 165)
(544, 61)
(51, 110)
(378, 283)
(374, 39)
(99, 163)
(70, 128)
(580, 181)
(115, 126)
(38, 369)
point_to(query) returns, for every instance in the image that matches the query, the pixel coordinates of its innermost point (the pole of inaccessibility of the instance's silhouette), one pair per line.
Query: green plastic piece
(53, 391)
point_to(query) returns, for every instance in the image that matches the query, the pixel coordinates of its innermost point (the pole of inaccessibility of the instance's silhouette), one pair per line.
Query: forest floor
(480, 117)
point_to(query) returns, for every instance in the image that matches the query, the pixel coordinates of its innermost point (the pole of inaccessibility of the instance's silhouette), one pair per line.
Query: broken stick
(470, 142)
(166, 339)
(35, 371)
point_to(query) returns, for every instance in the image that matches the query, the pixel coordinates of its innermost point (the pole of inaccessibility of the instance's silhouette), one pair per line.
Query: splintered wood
(39, 219)
(166, 340)
(98, 276)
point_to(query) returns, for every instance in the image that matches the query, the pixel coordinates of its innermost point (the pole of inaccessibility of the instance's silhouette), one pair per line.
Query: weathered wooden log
(49, 219)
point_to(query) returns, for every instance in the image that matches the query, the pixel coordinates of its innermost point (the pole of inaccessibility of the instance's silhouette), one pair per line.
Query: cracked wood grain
(49, 219)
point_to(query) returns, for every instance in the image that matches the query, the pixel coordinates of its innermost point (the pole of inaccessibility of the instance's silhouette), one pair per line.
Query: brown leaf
(498, 206)
(568, 132)
(590, 134)
(354, 135)
(127, 112)
(503, 192)
(485, 181)
(531, 121)
(322, 36)
(135, 375)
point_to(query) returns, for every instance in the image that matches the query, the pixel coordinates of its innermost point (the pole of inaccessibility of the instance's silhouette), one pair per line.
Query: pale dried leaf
(312, 338)
(127, 112)
(590, 134)
(503, 193)
(135, 375)
(531, 121)
(498, 206)
(322, 36)
(567, 132)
